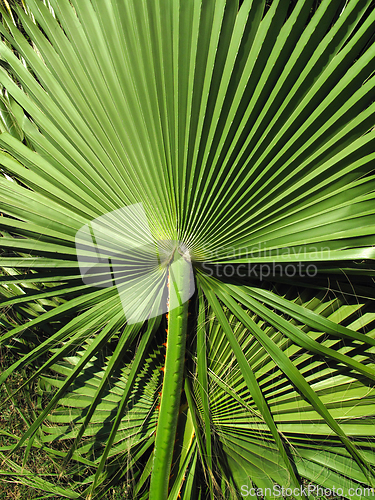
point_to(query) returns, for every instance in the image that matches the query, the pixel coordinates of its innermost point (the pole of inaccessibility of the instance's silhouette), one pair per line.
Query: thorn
(162, 369)
(166, 330)
(165, 344)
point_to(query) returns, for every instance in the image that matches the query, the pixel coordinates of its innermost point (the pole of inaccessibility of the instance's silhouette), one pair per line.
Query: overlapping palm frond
(245, 130)
(325, 359)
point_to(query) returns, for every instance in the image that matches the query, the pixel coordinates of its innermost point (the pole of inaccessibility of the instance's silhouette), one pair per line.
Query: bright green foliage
(246, 130)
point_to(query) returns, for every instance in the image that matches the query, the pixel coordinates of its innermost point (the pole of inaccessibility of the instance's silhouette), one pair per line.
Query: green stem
(172, 384)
